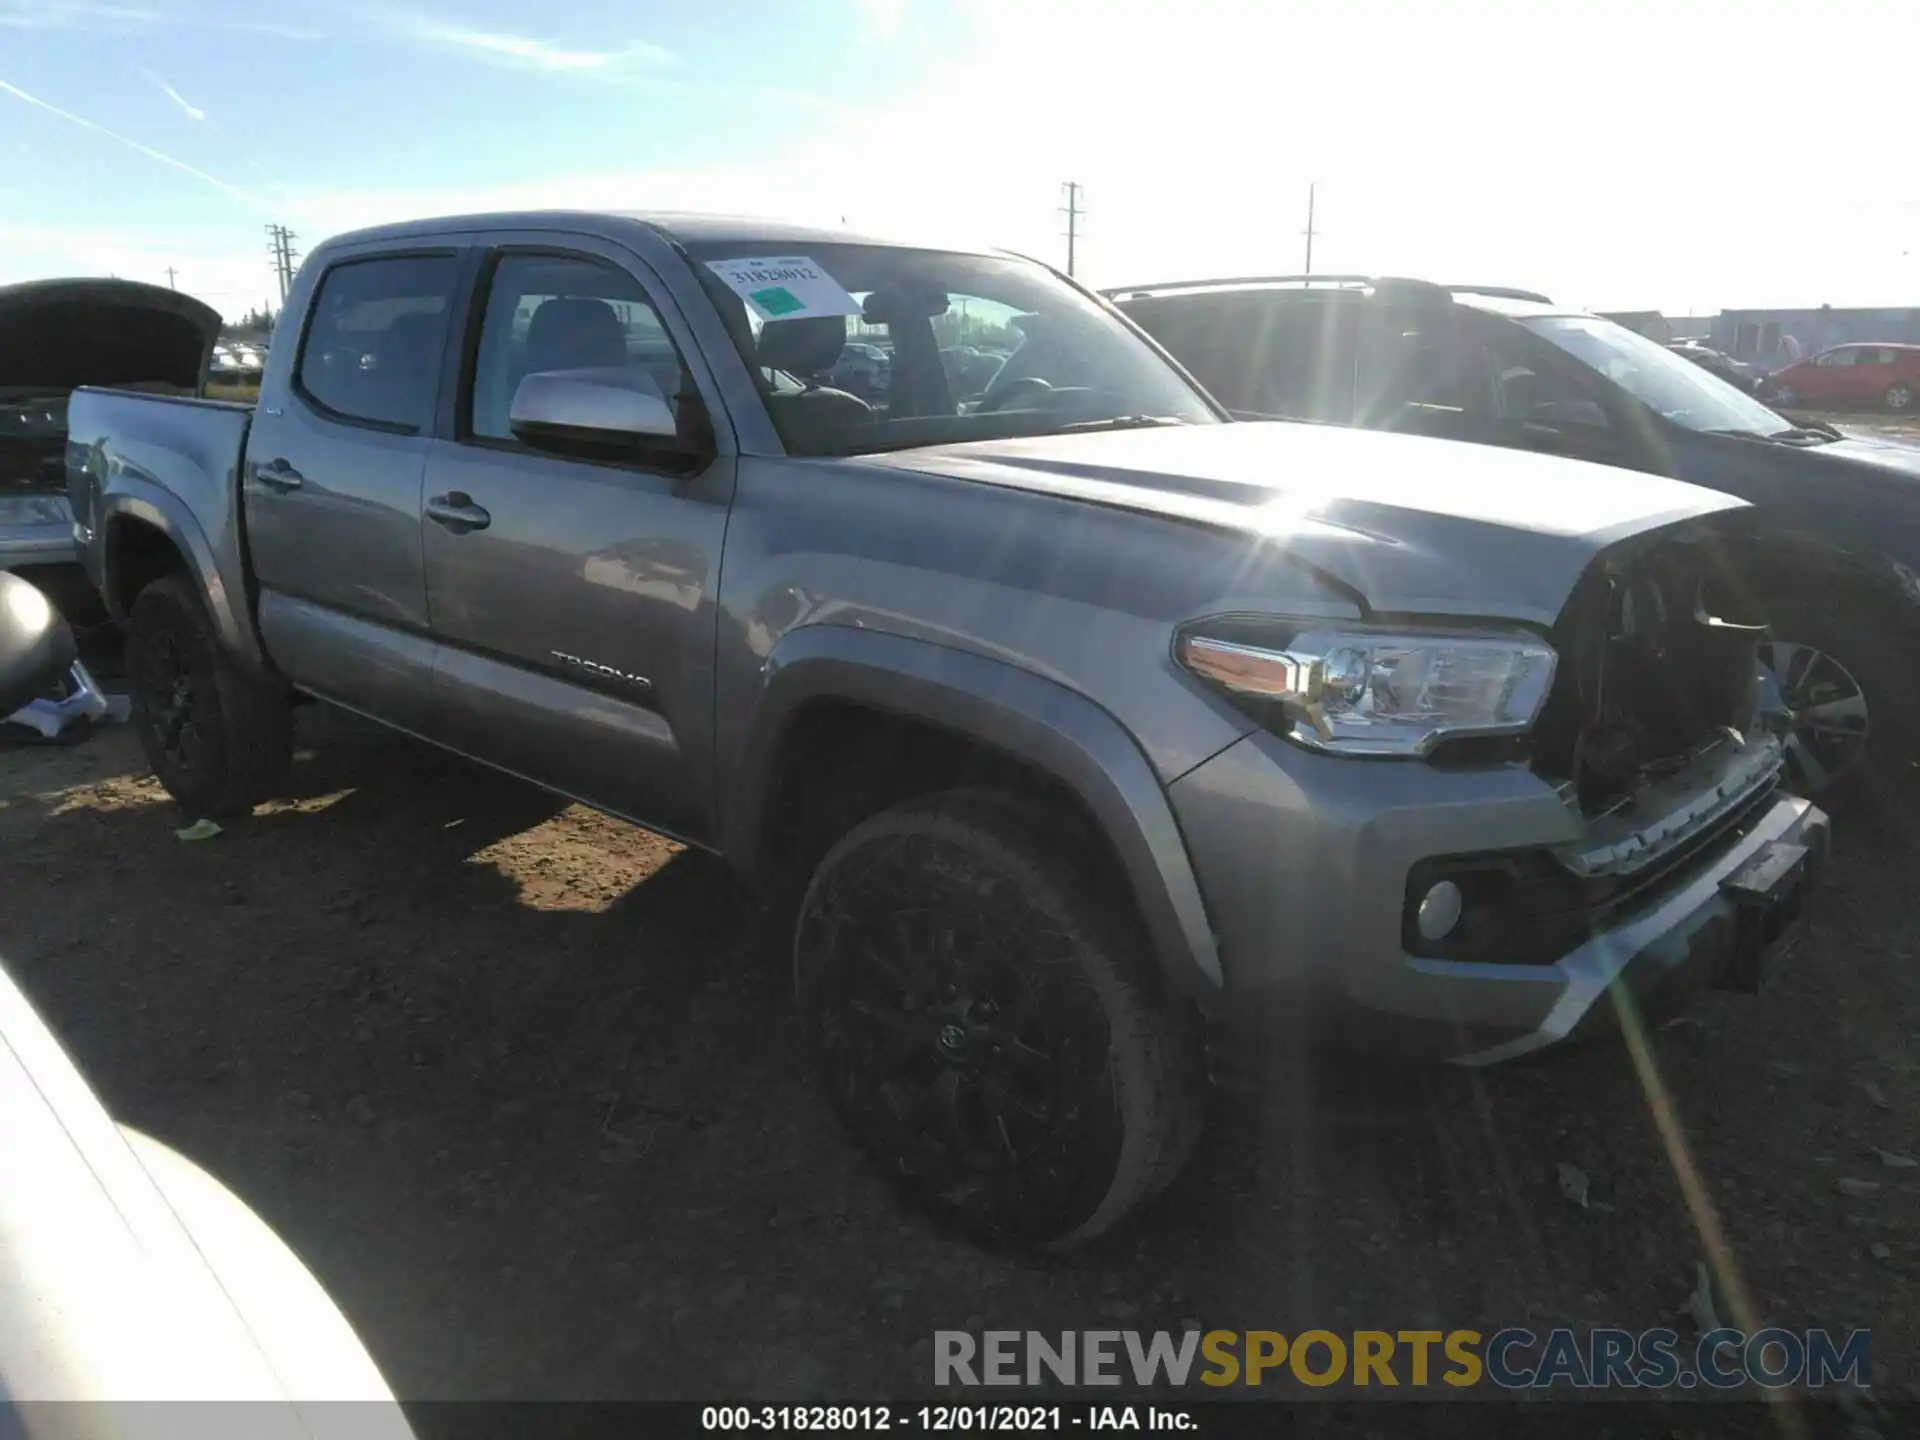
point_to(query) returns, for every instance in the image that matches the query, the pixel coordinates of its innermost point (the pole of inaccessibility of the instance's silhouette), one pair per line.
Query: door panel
(379, 669)
(332, 490)
(1868, 376)
(577, 628)
(1827, 381)
(576, 624)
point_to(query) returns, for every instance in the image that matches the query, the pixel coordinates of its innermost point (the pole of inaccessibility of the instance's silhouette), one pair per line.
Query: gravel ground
(519, 1082)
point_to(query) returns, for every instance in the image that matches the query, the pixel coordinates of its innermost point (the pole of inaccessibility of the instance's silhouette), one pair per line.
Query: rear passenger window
(374, 344)
(550, 312)
(1282, 356)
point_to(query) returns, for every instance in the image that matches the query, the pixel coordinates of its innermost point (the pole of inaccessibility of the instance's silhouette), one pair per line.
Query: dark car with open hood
(1833, 563)
(56, 335)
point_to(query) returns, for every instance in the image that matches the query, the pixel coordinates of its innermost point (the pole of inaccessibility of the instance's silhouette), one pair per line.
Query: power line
(1073, 210)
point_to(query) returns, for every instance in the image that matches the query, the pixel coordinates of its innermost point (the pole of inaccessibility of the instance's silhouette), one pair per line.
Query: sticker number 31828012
(784, 287)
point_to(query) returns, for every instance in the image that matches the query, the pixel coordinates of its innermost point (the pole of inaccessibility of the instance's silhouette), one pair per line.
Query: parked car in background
(970, 370)
(1084, 738)
(1850, 377)
(58, 334)
(863, 370)
(1836, 565)
(1736, 373)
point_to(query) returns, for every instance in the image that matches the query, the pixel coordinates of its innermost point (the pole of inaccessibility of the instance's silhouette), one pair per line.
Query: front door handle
(279, 475)
(457, 512)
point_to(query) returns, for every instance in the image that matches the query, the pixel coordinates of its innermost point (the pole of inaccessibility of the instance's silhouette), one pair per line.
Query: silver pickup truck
(1092, 739)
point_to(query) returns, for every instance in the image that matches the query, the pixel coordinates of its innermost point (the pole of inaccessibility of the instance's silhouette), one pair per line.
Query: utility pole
(170, 274)
(280, 247)
(1073, 210)
(1310, 232)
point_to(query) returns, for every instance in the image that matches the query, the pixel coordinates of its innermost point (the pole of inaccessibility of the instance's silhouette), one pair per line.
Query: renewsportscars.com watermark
(1511, 1359)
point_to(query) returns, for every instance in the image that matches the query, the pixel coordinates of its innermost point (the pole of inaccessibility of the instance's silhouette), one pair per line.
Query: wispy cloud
(527, 52)
(152, 154)
(191, 111)
(73, 15)
(127, 17)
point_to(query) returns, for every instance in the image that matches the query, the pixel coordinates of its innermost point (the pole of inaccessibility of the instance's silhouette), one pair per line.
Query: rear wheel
(1900, 396)
(220, 740)
(981, 1015)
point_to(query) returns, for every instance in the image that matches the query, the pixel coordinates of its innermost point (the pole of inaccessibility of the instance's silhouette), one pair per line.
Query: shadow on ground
(519, 1083)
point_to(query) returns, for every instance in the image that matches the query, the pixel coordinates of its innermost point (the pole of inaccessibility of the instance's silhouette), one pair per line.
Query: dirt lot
(519, 1083)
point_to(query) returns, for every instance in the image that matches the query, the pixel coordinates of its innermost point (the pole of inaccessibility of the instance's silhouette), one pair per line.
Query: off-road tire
(1900, 397)
(975, 888)
(225, 743)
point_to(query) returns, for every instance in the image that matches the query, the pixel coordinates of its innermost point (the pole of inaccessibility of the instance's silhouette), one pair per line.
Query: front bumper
(36, 530)
(1304, 860)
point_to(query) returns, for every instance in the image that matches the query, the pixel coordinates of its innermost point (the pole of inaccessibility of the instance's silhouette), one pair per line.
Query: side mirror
(36, 647)
(609, 406)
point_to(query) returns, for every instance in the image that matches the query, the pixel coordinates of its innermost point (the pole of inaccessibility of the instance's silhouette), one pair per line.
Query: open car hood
(58, 334)
(1411, 525)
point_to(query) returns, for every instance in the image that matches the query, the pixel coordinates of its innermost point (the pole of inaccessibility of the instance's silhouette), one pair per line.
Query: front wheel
(981, 1013)
(1840, 675)
(220, 740)
(1900, 397)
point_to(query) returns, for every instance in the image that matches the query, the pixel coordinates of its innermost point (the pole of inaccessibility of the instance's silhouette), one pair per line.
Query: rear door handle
(456, 512)
(279, 475)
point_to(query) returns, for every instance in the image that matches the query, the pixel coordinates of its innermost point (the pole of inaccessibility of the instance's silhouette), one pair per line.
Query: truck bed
(171, 462)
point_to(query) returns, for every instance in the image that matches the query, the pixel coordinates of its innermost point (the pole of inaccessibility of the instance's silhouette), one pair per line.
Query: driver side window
(1523, 387)
(1837, 357)
(555, 312)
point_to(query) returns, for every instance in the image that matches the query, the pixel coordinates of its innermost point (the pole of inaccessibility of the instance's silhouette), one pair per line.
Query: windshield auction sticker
(785, 287)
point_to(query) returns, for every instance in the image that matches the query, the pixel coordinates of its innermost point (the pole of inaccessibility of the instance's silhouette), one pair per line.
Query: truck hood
(1410, 525)
(1888, 456)
(58, 334)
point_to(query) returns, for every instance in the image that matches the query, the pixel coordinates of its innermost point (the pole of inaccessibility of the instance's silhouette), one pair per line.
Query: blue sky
(1681, 156)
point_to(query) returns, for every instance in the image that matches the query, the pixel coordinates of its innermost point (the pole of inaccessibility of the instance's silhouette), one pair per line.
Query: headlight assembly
(1350, 690)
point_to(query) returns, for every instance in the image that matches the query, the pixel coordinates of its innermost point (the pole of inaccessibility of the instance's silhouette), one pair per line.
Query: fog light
(1439, 911)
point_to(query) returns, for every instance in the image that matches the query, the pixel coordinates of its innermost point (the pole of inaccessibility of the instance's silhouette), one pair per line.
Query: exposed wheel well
(137, 555)
(1794, 575)
(842, 761)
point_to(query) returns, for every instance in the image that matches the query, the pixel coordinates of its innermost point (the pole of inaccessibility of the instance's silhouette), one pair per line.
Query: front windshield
(1676, 387)
(887, 347)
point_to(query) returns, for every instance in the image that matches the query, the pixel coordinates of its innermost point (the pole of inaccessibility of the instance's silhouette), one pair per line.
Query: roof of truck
(685, 227)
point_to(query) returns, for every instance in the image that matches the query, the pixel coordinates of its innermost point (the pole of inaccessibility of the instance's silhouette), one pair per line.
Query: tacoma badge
(605, 671)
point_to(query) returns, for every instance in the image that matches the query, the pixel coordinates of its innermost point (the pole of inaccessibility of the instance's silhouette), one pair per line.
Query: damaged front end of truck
(1666, 740)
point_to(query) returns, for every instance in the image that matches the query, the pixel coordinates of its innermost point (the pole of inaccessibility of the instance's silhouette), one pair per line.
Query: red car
(1886, 375)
